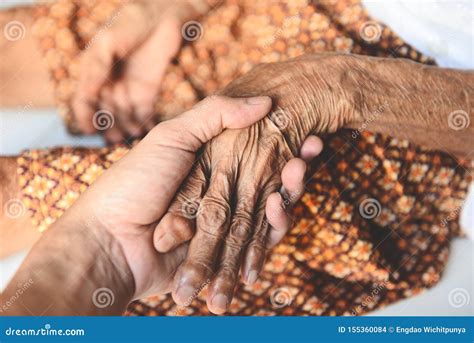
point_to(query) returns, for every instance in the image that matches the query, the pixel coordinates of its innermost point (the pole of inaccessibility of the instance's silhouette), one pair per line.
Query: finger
(145, 115)
(144, 92)
(293, 173)
(125, 111)
(292, 177)
(277, 218)
(278, 221)
(111, 131)
(96, 67)
(209, 118)
(174, 259)
(256, 250)
(107, 103)
(178, 224)
(312, 147)
(143, 98)
(212, 227)
(222, 287)
(114, 135)
(84, 110)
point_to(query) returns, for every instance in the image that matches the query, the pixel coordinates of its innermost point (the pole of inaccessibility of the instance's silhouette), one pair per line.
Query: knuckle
(272, 142)
(194, 185)
(258, 244)
(241, 227)
(213, 233)
(233, 245)
(197, 270)
(213, 218)
(244, 213)
(228, 272)
(245, 204)
(215, 210)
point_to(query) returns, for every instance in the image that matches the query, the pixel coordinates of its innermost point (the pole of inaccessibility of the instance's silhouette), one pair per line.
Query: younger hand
(121, 71)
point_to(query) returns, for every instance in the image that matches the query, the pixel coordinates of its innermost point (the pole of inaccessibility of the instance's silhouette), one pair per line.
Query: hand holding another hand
(130, 198)
(124, 64)
(223, 205)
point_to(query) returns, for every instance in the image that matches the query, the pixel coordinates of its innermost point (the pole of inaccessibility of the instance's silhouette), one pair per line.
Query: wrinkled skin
(235, 176)
(239, 169)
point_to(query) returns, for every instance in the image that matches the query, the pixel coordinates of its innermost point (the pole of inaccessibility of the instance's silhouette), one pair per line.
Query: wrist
(16, 229)
(8, 181)
(308, 95)
(109, 267)
(77, 268)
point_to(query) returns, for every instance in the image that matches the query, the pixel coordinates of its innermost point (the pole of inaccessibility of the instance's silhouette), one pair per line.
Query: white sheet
(442, 29)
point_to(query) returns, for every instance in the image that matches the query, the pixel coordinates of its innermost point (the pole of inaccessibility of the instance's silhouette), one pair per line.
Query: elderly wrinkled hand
(224, 204)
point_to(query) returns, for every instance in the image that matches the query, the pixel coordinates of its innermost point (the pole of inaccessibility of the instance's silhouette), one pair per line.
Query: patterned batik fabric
(235, 36)
(376, 219)
(374, 226)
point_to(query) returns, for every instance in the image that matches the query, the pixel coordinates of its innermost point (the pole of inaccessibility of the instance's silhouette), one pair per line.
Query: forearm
(20, 79)
(427, 105)
(322, 93)
(8, 181)
(16, 231)
(70, 272)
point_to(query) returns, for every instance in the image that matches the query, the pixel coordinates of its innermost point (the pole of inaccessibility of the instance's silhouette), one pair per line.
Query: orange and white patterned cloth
(376, 220)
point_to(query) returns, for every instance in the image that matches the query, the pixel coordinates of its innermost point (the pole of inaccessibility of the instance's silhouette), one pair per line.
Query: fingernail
(252, 277)
(185, 294)
(257, 100)
(219, 302)
(165, 243)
